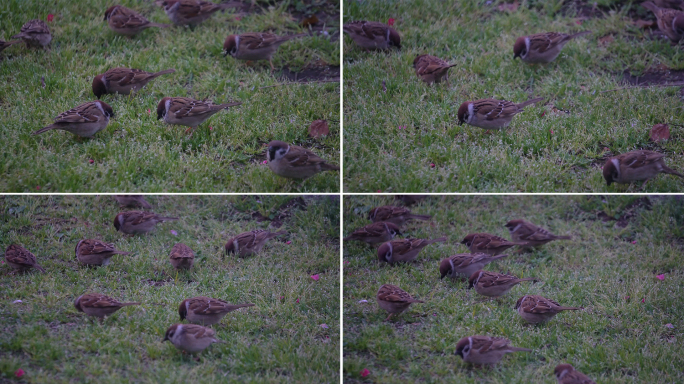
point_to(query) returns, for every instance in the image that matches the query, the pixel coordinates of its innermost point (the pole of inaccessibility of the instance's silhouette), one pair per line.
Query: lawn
(405, 137)
(283, 338)
(137, 152)
(630, 328)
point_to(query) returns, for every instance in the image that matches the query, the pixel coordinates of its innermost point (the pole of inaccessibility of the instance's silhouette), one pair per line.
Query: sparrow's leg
(388, 317)
(271, 62)
(190, 130)
(644, 184)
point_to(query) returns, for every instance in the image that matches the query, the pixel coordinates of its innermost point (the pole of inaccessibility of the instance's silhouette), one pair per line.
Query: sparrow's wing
(638, 159)
(84, 113)
(299, 157)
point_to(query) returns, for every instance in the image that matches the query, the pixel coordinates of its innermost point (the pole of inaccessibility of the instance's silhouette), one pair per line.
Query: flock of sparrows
(541, 48)
(87, 119)
(484, 249)
(200, 311)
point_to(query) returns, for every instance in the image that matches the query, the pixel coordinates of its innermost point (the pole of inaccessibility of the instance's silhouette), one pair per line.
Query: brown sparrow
(670, 21)
(85, 120)
(132, 201)
(188, 112)
(465, 264)
(492, 284)
(134, 222)
(372, 35)
(181, 256)
(255, 46)
(124, 80)
(392, 214)
(566, 374)
(95, 304)
(672, 4)
(249, 243)
(128, 22)
(636, 166)
(431, 69)
(205, 310)
(537, 309)
(490, 113)
(21, 259)
(295, 162)
(35, 33)
(405, 250)
(485, 349)
(375, 233)
(190, 12)
(410, 199)
(533, 235)
(5, 44)
(489, 244)
(394, 299)
(96, 252)
(190, 338)
(542, 47)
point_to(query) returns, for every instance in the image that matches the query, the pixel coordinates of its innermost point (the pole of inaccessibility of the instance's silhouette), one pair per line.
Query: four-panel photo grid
(342, 191)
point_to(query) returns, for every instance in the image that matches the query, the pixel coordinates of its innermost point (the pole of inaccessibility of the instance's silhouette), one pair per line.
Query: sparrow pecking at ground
(488, 244)
(636, 166)
(295, 162)
(255, 46)
(375, 233)
(96, 252)
(542, 47)
(191, 12)
(537, 309)
(249, 243)
(492, 284)
(190, 338)
(188, 112)
(372, 35)
(485, 349)
(431, 69)
(534, 236)
(205, 310)
(124, 80)
(566, 374)
(181, 256)
(20, 259)
(97, 305)
(85, 120)
(491, 113)
(135, 222)
(394, 299)
(404, 250)
(128, 22)
(35, 33)
(670, 21)
(465, 264)
(396, 215)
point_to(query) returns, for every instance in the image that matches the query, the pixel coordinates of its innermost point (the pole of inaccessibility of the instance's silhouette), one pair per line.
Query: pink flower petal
(324, 326)
(297, 301)
(50, 17)
(643, 299)
(669, 325)
(17, 302)
(432, 165)
(91, 161)
(390, 22)
(19, 372)
(634, 242)
(238, 18)
(148, 111)
(661, 277)
(282, 297)
(346, 262)
(578, 22)
(626, 297)
(288, 242)
(315, 277)
(37, 187)
(379, 191)
(543, 113)
(174, 233)
(211, 128)
(365, 372)
(363, 301)
(265, 162)
(552, 131)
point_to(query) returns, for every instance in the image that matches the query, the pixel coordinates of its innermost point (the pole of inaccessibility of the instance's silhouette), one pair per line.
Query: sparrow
(410, 199)
(542, 47)
(295, 162)
(95, 304)
(533, 235)
(132, 201)
(405, 250)
(465, 264)
(372, 35)
(489, 244)
(96, 252)
(255, 46)
(485, 349)
(249, 243)
(128, 22)
(566, 374)
(431, 69)
(85, 120)
(673, 4)
(124, 80)
(375, 233)
(21, 259)
(395, 215)
(181, 256)
(636, 166)
(134, 222)
(190, 338)
(537, 309)
(190, 12)
(35, 33)
(188, 112)
(490, 113)
(394, 299)
(205, 310)
(492, 284)
(670, 21)
(5, 44)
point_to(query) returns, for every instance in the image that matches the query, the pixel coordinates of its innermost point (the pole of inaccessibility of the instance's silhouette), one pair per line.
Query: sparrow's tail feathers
(578, 34)
(440, 240)
(40, 268)
(228, 105)
(420, 217)
(164, 72)
(167, 218)
(128, 304)
(158, 25)
(672, 171)
(528, 102)
(43, 130)
(518, 349)
(569, 308)
(329, 167)
(563, 237)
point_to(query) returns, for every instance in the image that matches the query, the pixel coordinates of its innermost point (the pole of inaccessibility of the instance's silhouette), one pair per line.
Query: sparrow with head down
(404, 250)
(295, 162)
(542, 47)
(372, 35)
(394, 299)
(485, 349)
(375, 233)
(636, 166)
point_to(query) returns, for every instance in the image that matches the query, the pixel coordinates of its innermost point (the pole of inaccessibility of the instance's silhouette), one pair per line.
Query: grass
(278, 340)
(606, 269)
(393, 138)
(137, 152)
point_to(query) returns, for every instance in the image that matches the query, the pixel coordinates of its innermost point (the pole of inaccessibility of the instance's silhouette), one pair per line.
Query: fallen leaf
(390, 22)
(50, 17)
(19, 372)
(311, 20)
(660, 132)
(643, 299)
(297, 301)
(605, 40)
(319, 128)
(38, 187)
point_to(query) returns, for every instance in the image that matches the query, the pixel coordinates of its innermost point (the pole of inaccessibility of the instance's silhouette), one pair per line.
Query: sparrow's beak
(164, 339)
(441, 278)
(515, 57)
(225, 53)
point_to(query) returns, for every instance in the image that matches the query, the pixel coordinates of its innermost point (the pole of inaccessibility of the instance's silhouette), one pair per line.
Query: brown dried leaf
(605, 40)
(311, 20)
(319, 128)
(660, 132)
